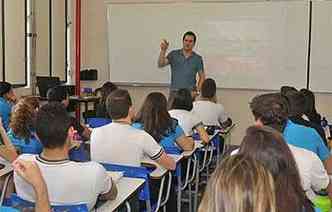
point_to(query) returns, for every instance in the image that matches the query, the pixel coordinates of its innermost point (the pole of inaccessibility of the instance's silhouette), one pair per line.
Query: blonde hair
(239, 184)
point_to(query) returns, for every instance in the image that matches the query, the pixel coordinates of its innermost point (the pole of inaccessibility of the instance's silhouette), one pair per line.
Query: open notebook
(116, 176)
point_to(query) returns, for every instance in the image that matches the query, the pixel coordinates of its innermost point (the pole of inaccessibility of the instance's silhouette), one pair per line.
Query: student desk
(5, 171)
(78, 100)
(160, 173)
(126, 188)
(7, 167)
(188, 179)
(85, 100)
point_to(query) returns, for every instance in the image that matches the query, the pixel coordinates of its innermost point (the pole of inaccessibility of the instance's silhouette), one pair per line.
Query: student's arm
(111, 195)
(201, 78)
(203, 134)
(162, 60)
(185, 143)
(30, 172)
(328, 166)
(104, 184)
(8, 150)
(318, 175)
(166, 161)
(86, 133)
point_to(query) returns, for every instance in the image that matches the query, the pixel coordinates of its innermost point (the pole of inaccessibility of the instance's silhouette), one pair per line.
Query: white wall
(94, 55)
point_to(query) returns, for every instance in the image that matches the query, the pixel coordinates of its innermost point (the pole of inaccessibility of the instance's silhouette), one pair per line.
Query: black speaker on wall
(89, 74)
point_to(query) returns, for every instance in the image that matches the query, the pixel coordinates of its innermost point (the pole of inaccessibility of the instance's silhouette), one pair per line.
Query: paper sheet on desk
(116, 176)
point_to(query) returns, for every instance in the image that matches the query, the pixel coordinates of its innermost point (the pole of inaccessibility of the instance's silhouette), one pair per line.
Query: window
(14, 41)
(51, 29)
(50, 50)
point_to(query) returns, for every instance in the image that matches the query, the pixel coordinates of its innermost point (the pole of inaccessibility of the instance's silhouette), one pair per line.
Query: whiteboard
(254, 45)
(321, 47)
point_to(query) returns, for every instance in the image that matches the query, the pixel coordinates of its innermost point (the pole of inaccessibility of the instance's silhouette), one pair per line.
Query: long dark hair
(155, 117)
(182, 100)
(310, 106)
(268, 146)
(105, 90)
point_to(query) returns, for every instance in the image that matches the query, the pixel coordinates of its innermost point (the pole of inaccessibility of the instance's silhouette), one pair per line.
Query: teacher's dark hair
(189, 33)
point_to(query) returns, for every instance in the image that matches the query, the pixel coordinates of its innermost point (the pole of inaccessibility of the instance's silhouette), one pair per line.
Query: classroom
(249, 48)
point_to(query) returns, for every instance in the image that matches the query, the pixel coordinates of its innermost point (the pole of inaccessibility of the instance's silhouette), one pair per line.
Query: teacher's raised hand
(164, 45)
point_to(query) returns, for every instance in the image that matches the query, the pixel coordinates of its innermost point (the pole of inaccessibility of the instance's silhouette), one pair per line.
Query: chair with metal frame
(143, 173)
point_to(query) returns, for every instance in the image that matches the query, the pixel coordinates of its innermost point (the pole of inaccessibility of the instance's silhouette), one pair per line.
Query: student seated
(207, 108)
(119, 142)
(60, 94)
(272, 110)
(267, 146)
(180, 109)
(7, 100)
(105, 90)
(68, 182)
(22, 126)
(297, 106)
(239, 184)
(154, 118)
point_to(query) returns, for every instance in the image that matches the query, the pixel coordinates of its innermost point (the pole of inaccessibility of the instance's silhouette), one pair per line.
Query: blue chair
(8, 209)
(19, 203)
(78, 154)
(142, 173)
(98, 122)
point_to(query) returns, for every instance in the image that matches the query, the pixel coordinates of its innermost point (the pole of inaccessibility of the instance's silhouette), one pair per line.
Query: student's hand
(1, 124)
(164, 45)
(30, 172)
(75, 144)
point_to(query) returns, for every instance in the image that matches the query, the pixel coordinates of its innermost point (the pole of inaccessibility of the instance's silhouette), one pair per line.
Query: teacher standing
(186, 65)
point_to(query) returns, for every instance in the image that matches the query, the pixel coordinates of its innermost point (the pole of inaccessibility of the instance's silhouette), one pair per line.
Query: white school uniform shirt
(123, 144)
(210, 113)
(311, 169)
(312, 172)
(68, 182)
(188, 121)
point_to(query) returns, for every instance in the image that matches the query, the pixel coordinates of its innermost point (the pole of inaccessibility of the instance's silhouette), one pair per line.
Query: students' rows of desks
(127, 187)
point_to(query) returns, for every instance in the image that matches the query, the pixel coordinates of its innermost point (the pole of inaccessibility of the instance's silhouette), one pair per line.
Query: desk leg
(128, 206)
(148, 205)
(196, 187)
(179, 194)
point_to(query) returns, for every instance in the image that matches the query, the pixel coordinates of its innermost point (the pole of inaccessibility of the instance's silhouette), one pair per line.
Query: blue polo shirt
(168, 141)
(29, 145)
(184, 70)
(307, 138)
(5, 111)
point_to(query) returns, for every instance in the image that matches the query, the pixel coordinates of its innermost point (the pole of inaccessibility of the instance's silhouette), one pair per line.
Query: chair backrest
(134, 172)
(98, 122)
(21, 204)
(79, 154)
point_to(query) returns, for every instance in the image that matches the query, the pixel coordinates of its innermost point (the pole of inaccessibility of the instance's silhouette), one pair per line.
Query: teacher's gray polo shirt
(184, 70)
